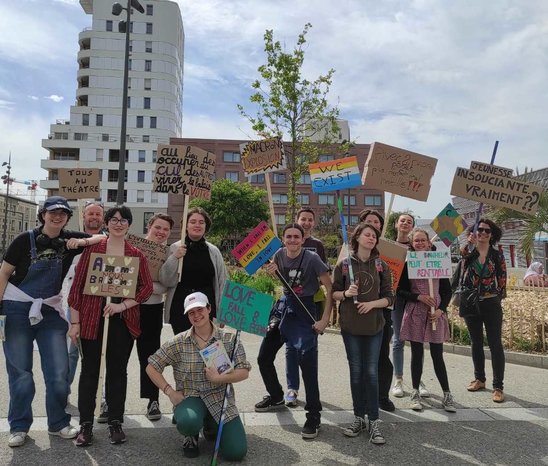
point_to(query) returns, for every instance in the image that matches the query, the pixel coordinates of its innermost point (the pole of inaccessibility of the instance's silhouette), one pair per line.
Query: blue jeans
(51, 337)
(73, 357)
(362, 352)
(397, 344)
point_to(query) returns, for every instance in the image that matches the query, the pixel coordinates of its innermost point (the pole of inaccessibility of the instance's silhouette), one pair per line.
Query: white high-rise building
(91, 138)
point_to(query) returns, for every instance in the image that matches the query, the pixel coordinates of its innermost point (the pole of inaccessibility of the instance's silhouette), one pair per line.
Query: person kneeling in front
(199, 391)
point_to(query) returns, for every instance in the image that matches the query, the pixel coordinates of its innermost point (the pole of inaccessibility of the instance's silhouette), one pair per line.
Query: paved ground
(480, 433)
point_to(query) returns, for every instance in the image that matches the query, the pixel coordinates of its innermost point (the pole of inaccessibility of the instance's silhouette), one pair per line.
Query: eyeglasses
(487, 231)
(97, 203)
(116, 221)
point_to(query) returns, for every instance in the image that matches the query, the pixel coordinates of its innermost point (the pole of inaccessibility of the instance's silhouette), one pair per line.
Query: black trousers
(386, 369)
(417, 360)
(152, 316)
(270, 346)
(119, 346)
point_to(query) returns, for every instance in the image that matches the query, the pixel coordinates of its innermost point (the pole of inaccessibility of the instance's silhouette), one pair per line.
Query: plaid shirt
(182, 353)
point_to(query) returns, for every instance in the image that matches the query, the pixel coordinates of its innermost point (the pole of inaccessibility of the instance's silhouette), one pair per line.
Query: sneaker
(291, 398)
(448, 403)
(153, 412)
(85, 436)
(356, 428)
(375, 435)
(268, 404)
(397, 389)
(310, 429)
(66, 432)
(190, 446)
(103, 416)
(386, 404)
(423, 391)
(475, 385)
(17, 439)
(498, 395)
(116, 434)
(416, 404)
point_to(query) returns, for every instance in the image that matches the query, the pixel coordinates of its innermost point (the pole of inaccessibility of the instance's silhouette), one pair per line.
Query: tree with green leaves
(293, 108)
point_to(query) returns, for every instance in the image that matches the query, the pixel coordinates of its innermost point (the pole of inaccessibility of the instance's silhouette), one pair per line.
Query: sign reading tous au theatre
(398, 171)
(155, 253)
(79, 183)
(263, 156)
(184, 170)
(114, 276)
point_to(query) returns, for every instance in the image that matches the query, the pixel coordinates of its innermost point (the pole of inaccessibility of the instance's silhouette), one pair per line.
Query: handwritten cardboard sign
(256, 248)
(335, 174)
(500, 191)
(114, 276)
(493, 169)
(394, 255)
(245, 309)
(184, 170)
(398, 171)
(79, 183)
(155, 253)
(429, 264)
(263, 156)
(448, 224)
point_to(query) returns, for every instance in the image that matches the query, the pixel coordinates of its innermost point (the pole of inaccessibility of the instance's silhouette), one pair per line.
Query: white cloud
(33, 97)
(55, 98)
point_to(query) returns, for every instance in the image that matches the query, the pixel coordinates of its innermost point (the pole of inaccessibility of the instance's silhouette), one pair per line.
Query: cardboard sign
(498, 191)
(398, 171)
(155, 253)
(244, 308)
(79, 183)
(184, 170)
(256, 248)
(449, 224)
(429, 264)
(263, 156)
(114, 276)
(335, 174)
(492, 169)
(394, 255)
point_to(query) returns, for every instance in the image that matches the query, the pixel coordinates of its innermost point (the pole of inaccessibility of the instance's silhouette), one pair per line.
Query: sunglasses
(487, 231)
(97, 203)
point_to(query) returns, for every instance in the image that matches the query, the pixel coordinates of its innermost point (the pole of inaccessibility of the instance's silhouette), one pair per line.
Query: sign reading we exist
(256, 248)
(263, 156)
(114, 276)
(429, 264)
(334, 175)
(79, 183)
(184, 170)
(155, 253)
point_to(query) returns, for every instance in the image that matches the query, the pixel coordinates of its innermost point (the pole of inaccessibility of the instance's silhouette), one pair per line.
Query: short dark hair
(496, 231)
(203, 213)
(124, 212)
(367, 212)
(160, 216)
(358, 231)
(293, 225)
(43, 211)
(304, 209)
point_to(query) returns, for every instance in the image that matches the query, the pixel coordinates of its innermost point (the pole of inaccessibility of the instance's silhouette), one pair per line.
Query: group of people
(31, 292)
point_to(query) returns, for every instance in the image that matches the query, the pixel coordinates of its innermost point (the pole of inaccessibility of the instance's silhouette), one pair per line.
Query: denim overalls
(43, 280)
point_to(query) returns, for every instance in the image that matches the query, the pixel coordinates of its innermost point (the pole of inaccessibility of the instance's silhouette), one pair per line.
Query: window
(148, 84)
(112, 193)
(154, 156)
(153, 122)
(303, 199)
(231, 156)
(80, 136)
(232, 176)
(354, 220)
(112, 175)
(131, 45)
(85, 119)
(280, 219)
(109, 25)
(141, 176)
(140, 196)
(129, 64)
(149, 28)
(99, 155)
(373, 200)
(140, 121)
(326, 158)
(146, 217)
(150, 9)
(148, 46)
(60, 136)
(154, 198)
(142, 156)
(352, 199)
(130, 27)
(128, 101)
(279, 198)
(99, 120)
(104, 137)
(257, 178)
(129, 83)
(326, 219)
(304, 179)
(146, 102)
(146, 138)
(114, 155)
(279, 178)
(148, 65)
(326, 199)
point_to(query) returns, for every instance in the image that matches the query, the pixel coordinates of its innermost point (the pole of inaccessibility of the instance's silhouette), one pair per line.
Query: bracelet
(165, 388)
(344, 294)
(75, 323)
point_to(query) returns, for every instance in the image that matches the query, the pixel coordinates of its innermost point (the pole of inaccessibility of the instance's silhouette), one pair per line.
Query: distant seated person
(535, 275)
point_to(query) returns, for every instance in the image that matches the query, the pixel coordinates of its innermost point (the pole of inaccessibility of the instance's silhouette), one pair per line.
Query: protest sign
(499, 191)
(263, 156)
(79, 183)
(114, 276)
(184, 170)
(492, 169)
(398, 171)
(429, 264)
(394, 255)
(334, 175)
(155, 253)
(448, 224)
(256, 248)
(244, 308)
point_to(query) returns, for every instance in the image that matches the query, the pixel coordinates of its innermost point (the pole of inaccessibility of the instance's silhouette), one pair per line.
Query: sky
(444, 79)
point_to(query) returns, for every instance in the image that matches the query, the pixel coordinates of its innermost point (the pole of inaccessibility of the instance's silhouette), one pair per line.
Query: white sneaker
(416, 404)
(397, 389)
(17, 439)
(291, 398)
(423, 391)
(67, 432)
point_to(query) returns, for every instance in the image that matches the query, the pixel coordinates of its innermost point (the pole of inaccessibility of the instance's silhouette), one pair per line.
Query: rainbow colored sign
(257, 247)
(335, 174)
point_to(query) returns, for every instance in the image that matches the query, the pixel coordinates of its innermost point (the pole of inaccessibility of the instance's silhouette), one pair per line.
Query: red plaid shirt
(90, 307)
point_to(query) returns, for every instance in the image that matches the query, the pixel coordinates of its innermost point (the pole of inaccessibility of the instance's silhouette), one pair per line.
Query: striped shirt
(91, 307)
(182, 353)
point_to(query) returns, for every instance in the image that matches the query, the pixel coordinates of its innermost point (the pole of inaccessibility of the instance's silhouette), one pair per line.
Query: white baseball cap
(196, 299)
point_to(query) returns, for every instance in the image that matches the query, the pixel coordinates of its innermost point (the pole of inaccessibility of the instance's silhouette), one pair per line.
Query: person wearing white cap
(199, 391)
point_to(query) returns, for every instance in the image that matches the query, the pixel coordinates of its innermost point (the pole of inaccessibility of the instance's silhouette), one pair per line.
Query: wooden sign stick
(388, 212)
(102, 365)
(432, 309)
(270, 203)
(81, 214)
(183, 233)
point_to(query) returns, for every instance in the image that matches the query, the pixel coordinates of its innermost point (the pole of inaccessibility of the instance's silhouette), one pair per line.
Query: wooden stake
(432, 309)
(270, 203)
(102, 365)
(183, 233)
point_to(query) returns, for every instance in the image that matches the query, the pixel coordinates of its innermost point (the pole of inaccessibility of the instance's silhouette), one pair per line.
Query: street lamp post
(7, 180)
(124, 26)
